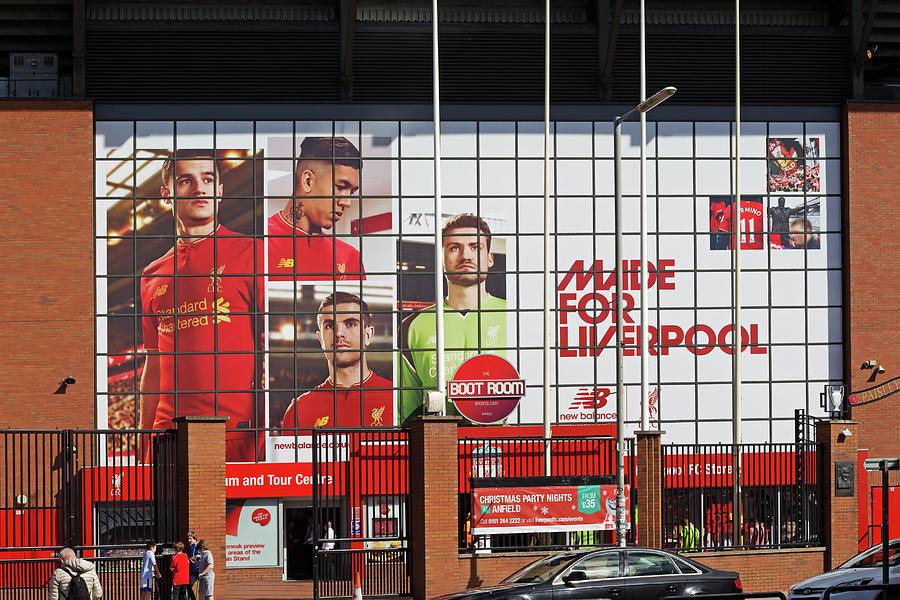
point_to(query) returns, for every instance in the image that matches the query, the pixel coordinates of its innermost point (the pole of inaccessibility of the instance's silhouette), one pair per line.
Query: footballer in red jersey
(200, 301)
(327, 176)
(353, 395)
(751, 222)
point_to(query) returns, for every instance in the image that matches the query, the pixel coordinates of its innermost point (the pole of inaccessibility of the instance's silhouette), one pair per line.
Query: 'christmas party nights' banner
(545, 508)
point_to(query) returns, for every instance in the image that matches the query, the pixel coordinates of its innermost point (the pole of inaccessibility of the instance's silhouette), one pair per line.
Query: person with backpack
(74, 579)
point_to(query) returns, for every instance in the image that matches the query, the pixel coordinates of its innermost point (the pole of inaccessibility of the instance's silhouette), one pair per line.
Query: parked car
(863, 569)
(617, 573)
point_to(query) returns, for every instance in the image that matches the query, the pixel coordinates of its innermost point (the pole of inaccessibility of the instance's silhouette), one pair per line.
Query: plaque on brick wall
(843, 478)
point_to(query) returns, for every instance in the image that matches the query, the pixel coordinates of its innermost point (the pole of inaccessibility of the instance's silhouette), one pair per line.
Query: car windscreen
(873, 557)
(541, 570)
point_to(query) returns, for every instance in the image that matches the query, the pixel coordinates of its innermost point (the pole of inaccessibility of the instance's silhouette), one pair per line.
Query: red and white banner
(545, 508)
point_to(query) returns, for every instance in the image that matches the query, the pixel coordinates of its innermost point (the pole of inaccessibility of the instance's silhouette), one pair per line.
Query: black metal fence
(360, 512)
(28, 579)
(781, 496)
(104, 493)
(502, 458)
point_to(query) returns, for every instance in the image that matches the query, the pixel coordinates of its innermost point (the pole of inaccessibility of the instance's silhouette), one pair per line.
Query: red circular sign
(486, 389)
(261, 516)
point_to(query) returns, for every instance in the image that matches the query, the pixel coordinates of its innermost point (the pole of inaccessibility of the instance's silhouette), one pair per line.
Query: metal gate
(104, 493)
(360, 512)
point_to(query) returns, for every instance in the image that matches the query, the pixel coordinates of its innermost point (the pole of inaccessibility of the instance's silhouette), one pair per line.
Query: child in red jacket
(181, 573)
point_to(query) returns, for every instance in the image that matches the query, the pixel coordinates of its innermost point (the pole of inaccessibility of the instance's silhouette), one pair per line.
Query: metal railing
(91, 490)
(502, 458)
(781, 492)
(28, 579)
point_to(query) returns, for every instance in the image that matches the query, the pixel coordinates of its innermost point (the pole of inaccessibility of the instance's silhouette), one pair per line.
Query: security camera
(869, 364)
(880, 369)
(69, 380)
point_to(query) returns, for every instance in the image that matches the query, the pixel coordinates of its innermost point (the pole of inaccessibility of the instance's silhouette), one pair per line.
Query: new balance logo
(286, 263)
(590, 398)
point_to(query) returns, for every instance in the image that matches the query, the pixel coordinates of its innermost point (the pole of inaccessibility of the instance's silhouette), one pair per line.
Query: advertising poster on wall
(251, 533)
(242, 306)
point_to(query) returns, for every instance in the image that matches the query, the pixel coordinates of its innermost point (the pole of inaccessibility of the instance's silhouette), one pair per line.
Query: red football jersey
(181, 569)
(327, 407)
(210, 345)
(316, 257)
(751, 224)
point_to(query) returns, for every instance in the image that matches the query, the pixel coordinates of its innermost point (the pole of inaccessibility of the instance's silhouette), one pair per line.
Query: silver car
(863, 569)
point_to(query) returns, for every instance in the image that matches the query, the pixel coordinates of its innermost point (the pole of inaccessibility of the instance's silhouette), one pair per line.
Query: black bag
(78, 589)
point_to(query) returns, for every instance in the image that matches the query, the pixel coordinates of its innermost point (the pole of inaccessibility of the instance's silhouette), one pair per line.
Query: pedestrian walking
(149, 571)
(206, 576)
(181, 576)
(74, 579)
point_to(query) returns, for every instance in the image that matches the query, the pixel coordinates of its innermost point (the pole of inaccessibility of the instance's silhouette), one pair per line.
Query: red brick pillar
(649, 488)
(434, 505)
(839, 504)
(201, 486)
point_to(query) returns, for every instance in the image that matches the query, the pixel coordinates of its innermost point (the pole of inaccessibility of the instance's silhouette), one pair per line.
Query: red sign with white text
(545, 508)
(272, 480)
(486, 389)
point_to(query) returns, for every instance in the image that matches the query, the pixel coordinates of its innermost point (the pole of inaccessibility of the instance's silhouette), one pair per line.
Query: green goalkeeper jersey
(466, 334)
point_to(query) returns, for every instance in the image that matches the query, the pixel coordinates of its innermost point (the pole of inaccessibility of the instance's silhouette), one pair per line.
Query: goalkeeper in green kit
(474, 321)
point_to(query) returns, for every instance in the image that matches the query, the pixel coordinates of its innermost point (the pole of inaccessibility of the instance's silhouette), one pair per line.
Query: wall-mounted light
(869, 364)
(64, 384)
(846, 432)
(880, 369)
(20, 501)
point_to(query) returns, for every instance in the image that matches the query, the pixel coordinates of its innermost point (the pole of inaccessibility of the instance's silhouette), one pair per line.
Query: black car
(615, 573)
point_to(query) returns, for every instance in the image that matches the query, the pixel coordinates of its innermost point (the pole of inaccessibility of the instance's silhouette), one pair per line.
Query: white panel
(675, 139)
(459, 177)
(417, 139)
(715, 401)
(604, 177)
(678, 433)
(713, 178)
(384, 136)
(497, 177)
(787, 287)
(677, 402)
(631, 215)
(786, 398)
(677, 362)
(714, 433)
(830, 253)
(631, 139)
(571, 216)
(676, 176)
(783, 431)
(155, 135)
(677, 214)
(787, 325)
(497, 139)
(417, 178)
(194, 134)
(531, 179)
(531, 139)
(754, 402)
(712, 140)
(754, 288)
(754, 432)
(573, 178)
(113, 139)
(459, 139)
(788, 363)
(603, 138)
(753, 140)
(831, 175)
(605, 217)
(753, 176)
(826, 362)
(681, 296)
(237, 135)
(573, 139)
(714, 289)
(824, 324)
(274, 138)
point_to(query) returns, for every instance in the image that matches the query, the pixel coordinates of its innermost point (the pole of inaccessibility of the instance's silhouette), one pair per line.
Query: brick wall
(46, 257)
(649, 488)
(871, 224)
(261, 575)
(840, 523)
(474, 571)
(201, 486)
(767, 570)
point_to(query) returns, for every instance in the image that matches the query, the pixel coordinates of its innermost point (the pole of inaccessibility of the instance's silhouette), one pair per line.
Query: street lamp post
(643, 107)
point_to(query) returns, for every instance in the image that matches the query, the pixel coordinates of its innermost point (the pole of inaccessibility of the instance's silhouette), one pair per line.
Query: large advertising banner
(281, 273)
(546, 508)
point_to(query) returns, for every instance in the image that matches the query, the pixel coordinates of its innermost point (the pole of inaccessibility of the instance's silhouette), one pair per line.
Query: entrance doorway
(298, 540)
